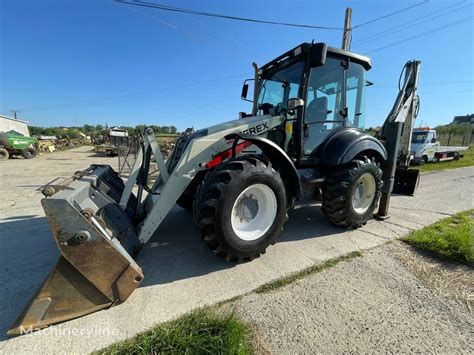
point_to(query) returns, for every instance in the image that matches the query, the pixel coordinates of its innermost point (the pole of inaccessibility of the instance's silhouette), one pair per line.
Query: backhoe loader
(302, 143)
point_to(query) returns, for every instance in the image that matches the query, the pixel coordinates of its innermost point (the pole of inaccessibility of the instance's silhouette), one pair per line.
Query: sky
(76, 62)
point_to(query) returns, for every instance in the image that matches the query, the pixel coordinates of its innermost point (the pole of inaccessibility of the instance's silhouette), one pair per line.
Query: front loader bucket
(96, 240)
(406, 181)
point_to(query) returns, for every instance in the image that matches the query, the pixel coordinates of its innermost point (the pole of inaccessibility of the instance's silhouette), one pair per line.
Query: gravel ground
(369, 304)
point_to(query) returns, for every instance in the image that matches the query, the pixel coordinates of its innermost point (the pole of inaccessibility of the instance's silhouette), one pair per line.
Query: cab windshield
(419, 137)
(278, 85)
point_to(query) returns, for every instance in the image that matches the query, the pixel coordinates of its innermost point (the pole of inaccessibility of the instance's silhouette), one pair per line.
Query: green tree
(35, 131)
(441, 129)
(73, 133)
(88, 128)
(139, 129)
(53, 131)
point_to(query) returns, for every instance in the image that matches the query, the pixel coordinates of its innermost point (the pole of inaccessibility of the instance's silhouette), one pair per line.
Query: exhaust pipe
(97, 242)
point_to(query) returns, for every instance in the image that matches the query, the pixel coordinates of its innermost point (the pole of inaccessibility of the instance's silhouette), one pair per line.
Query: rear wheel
(28, 153)
(241, 208)
(351, 193)
(4, 154)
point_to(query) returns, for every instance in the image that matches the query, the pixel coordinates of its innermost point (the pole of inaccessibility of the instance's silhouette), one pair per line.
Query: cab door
(431, 144)
(325, 99)
(335, 98)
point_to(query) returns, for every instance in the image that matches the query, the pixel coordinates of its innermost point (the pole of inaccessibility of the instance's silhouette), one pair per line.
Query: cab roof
(306, 47)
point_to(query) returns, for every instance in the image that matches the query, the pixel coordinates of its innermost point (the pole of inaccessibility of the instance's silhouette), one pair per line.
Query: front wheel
(28, 153)
(240, 208)
(351, 193)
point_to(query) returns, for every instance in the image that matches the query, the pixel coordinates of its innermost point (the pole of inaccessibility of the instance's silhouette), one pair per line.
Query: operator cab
(331, 85)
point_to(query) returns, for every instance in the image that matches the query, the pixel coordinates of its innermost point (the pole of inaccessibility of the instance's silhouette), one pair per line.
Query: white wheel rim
(253, 212)
(364, 193)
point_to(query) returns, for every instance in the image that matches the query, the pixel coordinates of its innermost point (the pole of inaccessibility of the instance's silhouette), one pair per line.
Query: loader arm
(99, 224)
(197, 154)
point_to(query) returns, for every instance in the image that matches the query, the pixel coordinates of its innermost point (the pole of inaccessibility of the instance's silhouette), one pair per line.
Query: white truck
(425, 147)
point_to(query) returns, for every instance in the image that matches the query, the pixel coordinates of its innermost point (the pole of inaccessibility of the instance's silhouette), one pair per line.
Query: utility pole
(15, 112)
(346, 38)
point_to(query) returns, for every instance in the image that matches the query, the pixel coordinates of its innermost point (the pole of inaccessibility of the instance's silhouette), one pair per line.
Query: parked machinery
(302, 143)
(12, 143)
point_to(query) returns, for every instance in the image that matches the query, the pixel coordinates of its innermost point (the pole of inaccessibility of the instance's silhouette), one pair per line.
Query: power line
(126, 98)
(467, 19)
(192, 35)
(166, 93)
(226, 17)
(390, 14)
(188, 34)
(410, 24)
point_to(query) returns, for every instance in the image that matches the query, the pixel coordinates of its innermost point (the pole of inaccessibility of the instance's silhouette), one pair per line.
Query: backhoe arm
(396, 132)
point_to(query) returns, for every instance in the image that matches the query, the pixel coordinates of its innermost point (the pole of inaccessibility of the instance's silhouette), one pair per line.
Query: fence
(127, 154)
(456, 139)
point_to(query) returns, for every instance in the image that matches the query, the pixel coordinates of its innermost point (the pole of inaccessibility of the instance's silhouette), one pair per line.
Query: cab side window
(323, 103)
(355, 96)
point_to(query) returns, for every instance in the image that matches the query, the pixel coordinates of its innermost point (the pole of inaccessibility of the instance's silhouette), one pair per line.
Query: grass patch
(451, 238)
(306, 272)
(199, 332)
(467, 160)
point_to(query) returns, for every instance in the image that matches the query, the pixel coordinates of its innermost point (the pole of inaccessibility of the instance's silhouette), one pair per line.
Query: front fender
(278, 157)
(347, 143)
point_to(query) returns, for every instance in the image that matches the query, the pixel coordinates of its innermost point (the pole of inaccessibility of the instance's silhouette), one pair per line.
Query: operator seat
(315, 114)
(317, 110)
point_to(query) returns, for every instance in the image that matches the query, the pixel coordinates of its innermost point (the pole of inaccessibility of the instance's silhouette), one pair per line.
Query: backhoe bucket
(406, 181)
(97, 242)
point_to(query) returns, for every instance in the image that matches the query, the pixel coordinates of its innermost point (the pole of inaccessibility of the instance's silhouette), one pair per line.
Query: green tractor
(11, 144)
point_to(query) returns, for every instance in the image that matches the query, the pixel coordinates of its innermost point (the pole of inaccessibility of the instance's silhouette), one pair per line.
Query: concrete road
(370, 305)
(180, 273)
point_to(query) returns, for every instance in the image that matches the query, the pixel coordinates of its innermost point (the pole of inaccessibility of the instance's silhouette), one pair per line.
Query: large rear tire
(4, 154)
(240, 208)
(28, 153)
(351, 193)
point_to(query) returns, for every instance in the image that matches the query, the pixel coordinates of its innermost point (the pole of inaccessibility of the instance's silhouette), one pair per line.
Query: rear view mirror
(433, 140)
(245, 90)
(293, 104)
(317, 55)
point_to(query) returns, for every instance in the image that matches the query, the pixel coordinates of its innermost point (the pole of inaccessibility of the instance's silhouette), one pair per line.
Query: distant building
(464, 119)
(8, 124)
